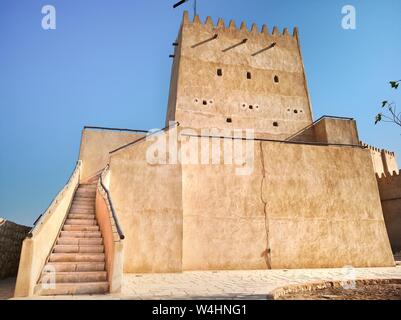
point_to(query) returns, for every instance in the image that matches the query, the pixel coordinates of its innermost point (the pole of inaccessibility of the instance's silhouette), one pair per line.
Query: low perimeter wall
(390, 195)
(11, 237)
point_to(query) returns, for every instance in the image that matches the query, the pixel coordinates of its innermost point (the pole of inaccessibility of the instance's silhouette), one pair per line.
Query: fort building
(307, 195)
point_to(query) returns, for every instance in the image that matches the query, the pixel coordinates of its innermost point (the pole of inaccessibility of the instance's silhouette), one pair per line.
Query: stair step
(73, 277)
(87, 188)
(88, 185)
(82, 211)
(86, 222)
(85, 216)
(82, 206)
(80, 234)
(80, 241)
(62, 248)
(76, 257)
(73, 288)
(75, 266)
(74, 227)
(86, 202)
(84, 196)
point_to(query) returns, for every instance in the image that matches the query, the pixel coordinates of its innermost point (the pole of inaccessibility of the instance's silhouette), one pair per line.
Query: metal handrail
(144, 137)
(55, 200)
(275, 140)
(316, 121)
(114, 129)
(113, 213)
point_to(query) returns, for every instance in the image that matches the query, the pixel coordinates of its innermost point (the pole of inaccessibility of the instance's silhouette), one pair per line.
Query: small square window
(248, 75)
(204, 102)
(219, 72)
(275, 124)
(229, 120)
(276, 79)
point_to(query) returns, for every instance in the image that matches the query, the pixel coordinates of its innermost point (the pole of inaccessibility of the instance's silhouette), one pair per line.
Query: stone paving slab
(250, 284)
(256, 284)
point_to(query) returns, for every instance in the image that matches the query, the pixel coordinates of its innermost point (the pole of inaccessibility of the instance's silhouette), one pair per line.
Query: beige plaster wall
(390, 194)
(322, 210)
(337, 131)
(36, 249)
(329, 131)
(302, 206)
(286, 102)
(113, 245)
(389, 161)
(377, 160)
(96, 145)
(147, 200)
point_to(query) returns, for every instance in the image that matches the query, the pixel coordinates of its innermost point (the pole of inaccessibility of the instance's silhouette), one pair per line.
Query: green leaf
(378, 118)
(384, 103)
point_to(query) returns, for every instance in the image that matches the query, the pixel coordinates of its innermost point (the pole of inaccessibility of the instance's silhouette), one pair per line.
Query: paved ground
(256, 284)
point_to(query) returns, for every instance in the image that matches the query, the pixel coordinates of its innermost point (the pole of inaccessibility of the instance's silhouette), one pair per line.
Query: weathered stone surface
(11, 237)
(390, 196)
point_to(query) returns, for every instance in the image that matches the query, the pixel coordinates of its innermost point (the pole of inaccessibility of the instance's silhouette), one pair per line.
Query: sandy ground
(365, 292)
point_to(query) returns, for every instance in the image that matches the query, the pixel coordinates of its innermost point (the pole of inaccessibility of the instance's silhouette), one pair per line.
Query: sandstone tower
(310, 198)
(229, 77)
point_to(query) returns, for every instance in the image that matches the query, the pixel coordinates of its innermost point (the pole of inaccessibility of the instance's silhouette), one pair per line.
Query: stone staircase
(77, 261)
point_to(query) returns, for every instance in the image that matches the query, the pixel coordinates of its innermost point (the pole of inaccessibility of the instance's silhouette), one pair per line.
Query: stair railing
(110, 202)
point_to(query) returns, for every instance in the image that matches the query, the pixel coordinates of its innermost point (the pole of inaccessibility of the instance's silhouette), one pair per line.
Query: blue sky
(107, 64)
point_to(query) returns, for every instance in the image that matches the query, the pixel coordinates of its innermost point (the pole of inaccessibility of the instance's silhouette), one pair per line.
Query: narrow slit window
(249, 75)
(276, 79)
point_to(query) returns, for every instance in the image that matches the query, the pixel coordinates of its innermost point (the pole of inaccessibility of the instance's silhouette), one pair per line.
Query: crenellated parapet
(389, 176)
(375, 149)
(384, 161)
(390, 196)
(258, 71)
(243, 28)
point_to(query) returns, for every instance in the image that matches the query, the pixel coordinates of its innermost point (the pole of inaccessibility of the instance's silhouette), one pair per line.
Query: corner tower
(229, 77)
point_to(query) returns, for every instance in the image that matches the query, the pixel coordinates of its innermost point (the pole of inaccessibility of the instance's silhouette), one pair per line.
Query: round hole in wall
(288, 110)
(196, 100)
(250, 107)
(295, 111)
(211, 101)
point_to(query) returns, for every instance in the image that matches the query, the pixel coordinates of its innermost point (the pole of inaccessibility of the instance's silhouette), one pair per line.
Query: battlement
(384, 161)
(260, 78)
(372, 148)
(254, 30)
(389, 176)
